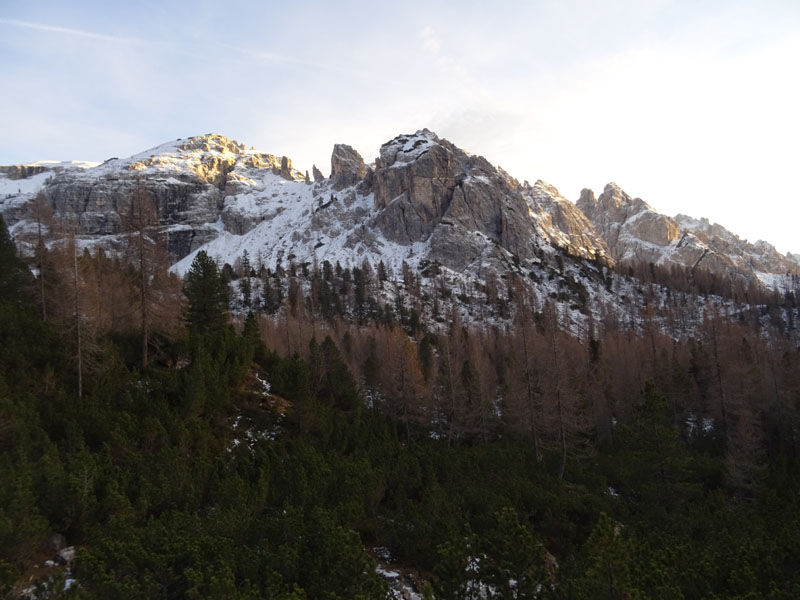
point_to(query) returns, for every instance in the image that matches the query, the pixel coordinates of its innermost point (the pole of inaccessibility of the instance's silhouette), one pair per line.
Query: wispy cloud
(73, 32)
(430, 41)
(274, 58)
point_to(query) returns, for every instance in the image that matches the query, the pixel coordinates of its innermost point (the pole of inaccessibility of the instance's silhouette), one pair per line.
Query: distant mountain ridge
(636, 233)
(424, 204)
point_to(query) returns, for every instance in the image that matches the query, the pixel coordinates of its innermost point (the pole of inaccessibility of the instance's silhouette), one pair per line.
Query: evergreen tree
(14, 277)
(207, 293)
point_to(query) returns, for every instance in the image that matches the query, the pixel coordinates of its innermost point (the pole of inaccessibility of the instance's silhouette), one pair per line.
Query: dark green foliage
(207, 293)
(15, 280)
(165, 498)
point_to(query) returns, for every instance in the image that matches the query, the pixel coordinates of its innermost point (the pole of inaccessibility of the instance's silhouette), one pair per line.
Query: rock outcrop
(318, 176)
(760, 256)
(15, 172)
(347, 166)
(286, 168)
(624, 222)
(637, 234)
(564, 224)
(428, 190)
(190, 183)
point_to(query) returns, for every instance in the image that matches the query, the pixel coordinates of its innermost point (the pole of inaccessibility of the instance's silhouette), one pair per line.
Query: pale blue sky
(692, 106)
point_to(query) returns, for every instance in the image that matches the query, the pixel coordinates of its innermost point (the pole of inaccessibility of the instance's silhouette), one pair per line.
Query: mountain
(424, 205)
(416, 378)
(635, 233)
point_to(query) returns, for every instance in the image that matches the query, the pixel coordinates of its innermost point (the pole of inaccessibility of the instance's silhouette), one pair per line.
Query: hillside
(412, 379)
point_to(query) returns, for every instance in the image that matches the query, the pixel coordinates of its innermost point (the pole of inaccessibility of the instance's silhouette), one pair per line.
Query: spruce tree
(14, 277)
(207, 293)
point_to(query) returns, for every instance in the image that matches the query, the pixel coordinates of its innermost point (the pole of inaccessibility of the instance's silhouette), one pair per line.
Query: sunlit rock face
(566, 226)
(625, 222)
(760, 256)
(188, 182)
(16, 172)
(637, 234)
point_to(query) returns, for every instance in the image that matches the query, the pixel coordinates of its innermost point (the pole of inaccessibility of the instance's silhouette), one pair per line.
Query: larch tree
(139, 222)
(42, 213)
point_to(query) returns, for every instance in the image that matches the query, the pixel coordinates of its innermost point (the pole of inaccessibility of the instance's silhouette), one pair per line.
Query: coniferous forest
(276, 432)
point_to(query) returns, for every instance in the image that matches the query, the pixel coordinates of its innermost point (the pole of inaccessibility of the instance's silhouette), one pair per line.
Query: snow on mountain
(563, 224)
(451, 217)
(22, 188)
(636, 233)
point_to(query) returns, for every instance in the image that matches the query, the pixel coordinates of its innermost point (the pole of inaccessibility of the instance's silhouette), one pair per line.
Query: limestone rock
(15, 172)
(426, 188)
(286, 168)
(347, 166)
(563, 223)
(760, 256)
(625, 222)
(637, 234)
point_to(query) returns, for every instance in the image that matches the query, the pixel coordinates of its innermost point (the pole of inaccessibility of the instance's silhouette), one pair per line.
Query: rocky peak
(625, 222)
(563, 224)
(286, 167)
(760, 256)
(318, 176)
(212, 142)
(408, 148)
(347, 166)
(614, 199)
(587, 201)
(428, 190)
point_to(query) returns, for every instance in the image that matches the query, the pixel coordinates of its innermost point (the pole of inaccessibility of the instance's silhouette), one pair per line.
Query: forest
(254, 431)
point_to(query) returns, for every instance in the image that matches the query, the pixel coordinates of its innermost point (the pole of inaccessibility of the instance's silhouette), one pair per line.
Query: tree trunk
(77, 317)
(559, 404)
(40, 251)
(143, 296)
(529, 395)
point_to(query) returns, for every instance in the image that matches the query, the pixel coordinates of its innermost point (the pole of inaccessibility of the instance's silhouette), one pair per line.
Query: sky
(693, 106)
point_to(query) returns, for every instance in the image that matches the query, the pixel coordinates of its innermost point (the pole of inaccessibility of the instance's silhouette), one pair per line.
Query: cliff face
(564, 224)
(428, 190)
(186, 181)
(15, 172)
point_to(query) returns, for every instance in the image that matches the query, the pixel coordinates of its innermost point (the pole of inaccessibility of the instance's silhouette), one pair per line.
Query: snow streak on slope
(300, 223)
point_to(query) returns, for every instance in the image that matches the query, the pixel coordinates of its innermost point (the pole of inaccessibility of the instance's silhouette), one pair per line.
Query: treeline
(195, 455)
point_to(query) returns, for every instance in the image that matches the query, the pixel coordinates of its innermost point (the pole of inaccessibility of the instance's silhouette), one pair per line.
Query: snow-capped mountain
(424, 204)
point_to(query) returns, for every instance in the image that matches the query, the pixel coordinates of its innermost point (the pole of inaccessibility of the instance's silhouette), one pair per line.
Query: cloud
(73, 32)
(273, 58)
(431, 43)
